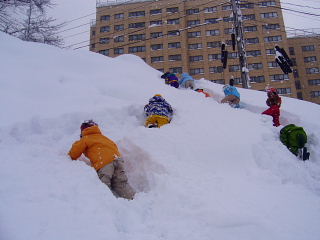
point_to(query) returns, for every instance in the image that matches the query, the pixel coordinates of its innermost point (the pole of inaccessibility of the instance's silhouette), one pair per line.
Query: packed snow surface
(214, 172)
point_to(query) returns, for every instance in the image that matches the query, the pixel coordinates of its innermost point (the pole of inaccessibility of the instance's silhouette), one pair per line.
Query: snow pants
(157, 120)
(274, 112)
(114, 176)
(231, 99)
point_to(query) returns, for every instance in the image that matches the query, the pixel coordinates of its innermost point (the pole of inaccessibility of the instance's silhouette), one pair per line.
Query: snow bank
(214, 172)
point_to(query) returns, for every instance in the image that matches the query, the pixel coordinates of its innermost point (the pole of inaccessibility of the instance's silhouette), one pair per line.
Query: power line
(109, 34)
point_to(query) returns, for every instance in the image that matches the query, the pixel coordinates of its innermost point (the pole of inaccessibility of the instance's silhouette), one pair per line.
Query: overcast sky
(66, 10)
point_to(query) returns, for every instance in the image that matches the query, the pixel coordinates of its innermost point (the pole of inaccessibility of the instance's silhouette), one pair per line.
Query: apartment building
(305, 52)
(186, 36)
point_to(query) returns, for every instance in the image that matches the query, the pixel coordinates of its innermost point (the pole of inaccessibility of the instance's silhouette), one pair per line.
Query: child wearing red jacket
(274, 103)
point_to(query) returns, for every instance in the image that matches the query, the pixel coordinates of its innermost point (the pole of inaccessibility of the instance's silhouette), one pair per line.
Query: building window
(157, 59)
(136, 37)
(249, 17)
(104, 40)
(269, 15)
(228, 30)
(315, 94)
(174, 45)
(310, 59)
(314, 82)
(104, 52)
(228, 19)
(252, 40)
(119, 16)
(219, 81)
(196, 58)
(257, 79)
(216, 44)
(253, 53)
(105, 18)
(137, 49)
(137, 14)
(308, 48)
(218, 69)
(176, 57)
(93, 45)
(246, 5)
(173, 10)
(226, 7)
(233, 55)
(211, 20)
(214, 57)
(155, 11)
(195, 46)
(210, 10)
(273, 65)
(137, 25)
(105, 29)
(267, 4)
(176, 70)
(93, 33)
(291, 51)
(174, 33)
(156, 23)
(160, 69)
(294, 62)
(119, 27)
(312, 70)
(157, 47)
(255, 66)
(270, 51)
(273, 39)
(118, 50)
(250, 29)
(284, 90)
(193, 23)
(195, 71)
(173, 21)
(268, 27)
(214, 32)
(237, 80)
(279, 77)
(119, 38)
(192, 11)
(299, 95)
(156, 34)
(194, 34)
(234, 68)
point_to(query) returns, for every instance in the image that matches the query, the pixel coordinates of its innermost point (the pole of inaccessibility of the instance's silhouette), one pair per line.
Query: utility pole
(239, 37)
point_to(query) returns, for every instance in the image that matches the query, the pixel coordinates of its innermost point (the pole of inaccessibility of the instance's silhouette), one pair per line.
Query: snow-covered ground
(214, 173)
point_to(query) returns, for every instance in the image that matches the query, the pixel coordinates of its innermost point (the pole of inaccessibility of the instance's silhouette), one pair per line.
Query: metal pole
(238, 27)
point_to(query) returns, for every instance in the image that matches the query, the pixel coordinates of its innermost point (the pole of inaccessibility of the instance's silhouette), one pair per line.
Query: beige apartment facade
(186, 36)
(305, 51)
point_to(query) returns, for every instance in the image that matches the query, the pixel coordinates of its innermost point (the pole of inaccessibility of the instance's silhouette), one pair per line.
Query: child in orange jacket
(104, 157)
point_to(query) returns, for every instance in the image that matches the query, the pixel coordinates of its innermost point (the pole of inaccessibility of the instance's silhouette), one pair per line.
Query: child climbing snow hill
(274, 103)
(158, 111)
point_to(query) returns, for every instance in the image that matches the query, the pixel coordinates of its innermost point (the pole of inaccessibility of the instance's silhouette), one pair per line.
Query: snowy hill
(214, 173)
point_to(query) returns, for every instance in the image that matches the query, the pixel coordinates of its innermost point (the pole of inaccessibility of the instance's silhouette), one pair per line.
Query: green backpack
(295, 138)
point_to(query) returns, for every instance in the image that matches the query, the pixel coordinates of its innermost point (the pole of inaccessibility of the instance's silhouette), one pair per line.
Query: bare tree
(27, 20)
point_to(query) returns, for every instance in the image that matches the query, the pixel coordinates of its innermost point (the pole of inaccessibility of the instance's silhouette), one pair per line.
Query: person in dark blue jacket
(171, 79)
(158, 112)
(232, 96)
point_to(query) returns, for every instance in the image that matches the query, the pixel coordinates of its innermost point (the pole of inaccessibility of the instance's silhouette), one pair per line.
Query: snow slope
(214, 173)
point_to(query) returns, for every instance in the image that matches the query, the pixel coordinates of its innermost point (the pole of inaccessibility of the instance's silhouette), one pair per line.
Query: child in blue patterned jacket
(158, 112)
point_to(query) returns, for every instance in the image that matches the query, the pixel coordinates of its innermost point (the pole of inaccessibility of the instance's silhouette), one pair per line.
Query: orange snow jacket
(98, 148)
